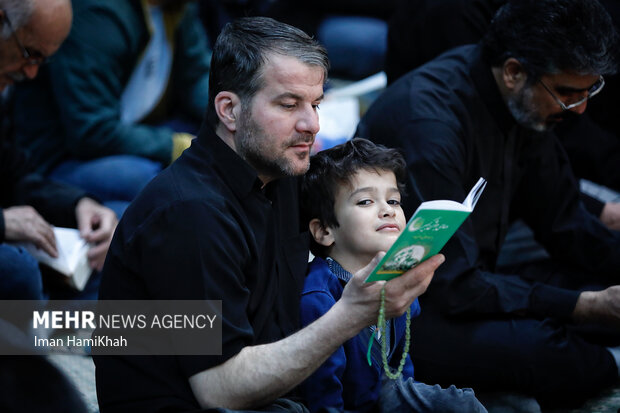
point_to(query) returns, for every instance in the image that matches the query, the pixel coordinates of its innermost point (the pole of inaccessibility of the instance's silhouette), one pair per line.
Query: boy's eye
(364, 202)
(394, 202)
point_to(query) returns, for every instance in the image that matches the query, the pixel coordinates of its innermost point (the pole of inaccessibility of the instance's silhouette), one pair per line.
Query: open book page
(468, 204)
(71, 261)
(428, 230)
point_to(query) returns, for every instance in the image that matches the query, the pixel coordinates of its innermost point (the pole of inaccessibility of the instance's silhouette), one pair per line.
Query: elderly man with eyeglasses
(31, 31)
(489, 110)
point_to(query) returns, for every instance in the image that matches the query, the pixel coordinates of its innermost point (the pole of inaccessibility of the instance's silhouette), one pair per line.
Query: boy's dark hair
(240, 52)
(334, 167)
(551, 36)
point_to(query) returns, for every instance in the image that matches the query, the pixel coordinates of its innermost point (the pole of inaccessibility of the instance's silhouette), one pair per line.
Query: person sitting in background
(545, 329)
(421, 30)
(29, 204)
(351, 197)
(115, 104)
(354, 32)
(30, 32)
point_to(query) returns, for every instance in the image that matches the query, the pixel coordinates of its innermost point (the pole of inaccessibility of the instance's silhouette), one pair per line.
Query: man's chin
(299, 161)
(541, 126)
(300, 169)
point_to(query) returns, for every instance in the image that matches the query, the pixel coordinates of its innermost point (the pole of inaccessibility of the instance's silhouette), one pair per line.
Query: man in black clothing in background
(488, 110)
(31, 32)
(421, 30)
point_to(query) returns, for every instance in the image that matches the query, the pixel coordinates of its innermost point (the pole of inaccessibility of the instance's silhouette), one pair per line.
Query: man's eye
(316, 107)
(287, 106)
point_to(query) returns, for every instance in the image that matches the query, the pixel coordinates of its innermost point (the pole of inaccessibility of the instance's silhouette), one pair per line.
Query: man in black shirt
(222, 223)
(421, 30)
(488, 110)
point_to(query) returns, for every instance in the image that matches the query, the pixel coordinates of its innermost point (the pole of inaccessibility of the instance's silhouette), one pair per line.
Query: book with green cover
(428, 230)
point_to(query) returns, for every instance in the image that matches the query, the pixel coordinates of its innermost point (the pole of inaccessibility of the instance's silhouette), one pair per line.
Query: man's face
(277, 126)
(49, 25)
(535, 107)
(370, 218)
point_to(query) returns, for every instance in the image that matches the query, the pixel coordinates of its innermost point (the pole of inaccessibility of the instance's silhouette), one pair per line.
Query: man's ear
(228, 107)
(323, 236)
(513, 74)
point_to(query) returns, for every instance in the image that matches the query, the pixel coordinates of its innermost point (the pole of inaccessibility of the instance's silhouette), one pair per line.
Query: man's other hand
(610, 215)
(96, 224)
(24, 224)
(601, 307)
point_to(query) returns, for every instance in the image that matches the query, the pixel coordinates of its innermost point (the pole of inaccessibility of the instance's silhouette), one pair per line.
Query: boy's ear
(323, 236)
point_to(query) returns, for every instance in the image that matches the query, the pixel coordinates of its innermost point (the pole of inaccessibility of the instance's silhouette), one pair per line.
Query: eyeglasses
(592, 91)
(32, 57)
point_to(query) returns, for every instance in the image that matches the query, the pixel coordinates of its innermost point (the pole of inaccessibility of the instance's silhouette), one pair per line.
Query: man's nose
(579, 109)
(309, 121)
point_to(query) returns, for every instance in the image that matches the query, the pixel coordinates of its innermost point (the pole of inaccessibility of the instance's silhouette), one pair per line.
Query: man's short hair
(242, 48)
(18, 13)
(552, 36)
(335, 167)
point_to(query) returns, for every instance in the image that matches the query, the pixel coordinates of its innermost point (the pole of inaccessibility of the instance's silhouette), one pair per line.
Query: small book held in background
(428, 230)
(71, 261)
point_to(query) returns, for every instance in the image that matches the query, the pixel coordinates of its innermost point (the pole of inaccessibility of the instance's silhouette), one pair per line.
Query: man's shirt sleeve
(191, 251)
(436, 168)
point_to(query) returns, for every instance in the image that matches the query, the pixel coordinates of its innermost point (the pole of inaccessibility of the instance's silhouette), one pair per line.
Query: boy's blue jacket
(346, 381)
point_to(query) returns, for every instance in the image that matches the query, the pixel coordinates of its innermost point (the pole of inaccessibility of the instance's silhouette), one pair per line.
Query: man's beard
(525, 111)
(252, 146)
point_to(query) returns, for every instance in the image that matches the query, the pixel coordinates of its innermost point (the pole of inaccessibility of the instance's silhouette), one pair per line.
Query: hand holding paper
(24, 224)
(96, 224)
(71, 260)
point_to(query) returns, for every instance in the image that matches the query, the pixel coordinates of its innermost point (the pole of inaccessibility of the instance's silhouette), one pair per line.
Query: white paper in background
(340, 111)
(338, 118)
(71, 261)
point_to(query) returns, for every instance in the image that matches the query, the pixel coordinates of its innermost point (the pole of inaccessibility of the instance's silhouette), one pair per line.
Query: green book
(428, 230)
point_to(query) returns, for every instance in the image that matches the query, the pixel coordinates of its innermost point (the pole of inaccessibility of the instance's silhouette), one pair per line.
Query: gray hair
(18, 12)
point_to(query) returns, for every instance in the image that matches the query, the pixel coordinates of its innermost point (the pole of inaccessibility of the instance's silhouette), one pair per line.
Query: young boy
(351, 198)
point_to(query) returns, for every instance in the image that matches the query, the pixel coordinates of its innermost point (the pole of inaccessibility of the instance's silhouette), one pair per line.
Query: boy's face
(370, 218)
